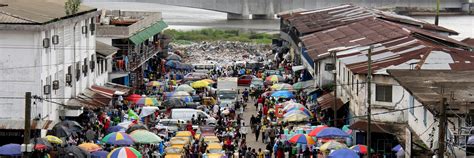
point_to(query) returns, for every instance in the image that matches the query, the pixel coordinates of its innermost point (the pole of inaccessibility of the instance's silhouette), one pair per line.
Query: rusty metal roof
(407, 53)
(365, 32)
(36, 11)
(469, 41)
(311, 21)
(326, 101)
(90, 100)
(426, 85)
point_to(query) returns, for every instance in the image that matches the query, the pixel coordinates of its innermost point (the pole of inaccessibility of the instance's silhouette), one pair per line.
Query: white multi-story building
(48, 53)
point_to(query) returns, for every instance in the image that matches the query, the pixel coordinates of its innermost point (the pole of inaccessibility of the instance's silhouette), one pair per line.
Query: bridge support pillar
(233, 16)
(263, 16)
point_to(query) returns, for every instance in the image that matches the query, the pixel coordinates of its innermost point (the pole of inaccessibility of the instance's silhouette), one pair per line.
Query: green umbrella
(145, 137)
(302, 85)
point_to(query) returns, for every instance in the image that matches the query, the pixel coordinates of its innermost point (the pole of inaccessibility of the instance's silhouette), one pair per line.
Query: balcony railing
(137, 59)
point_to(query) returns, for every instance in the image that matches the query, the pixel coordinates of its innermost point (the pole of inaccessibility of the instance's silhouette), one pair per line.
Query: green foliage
(219, 35)
(72, 6)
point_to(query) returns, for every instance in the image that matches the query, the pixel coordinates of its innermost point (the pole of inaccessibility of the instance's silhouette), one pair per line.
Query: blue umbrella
(332, 132)
(397, 148)
(282, 94)
(343, 153)
(115, 129)
(99, 154)
(172, 63)
(187, 99)
(10, 150)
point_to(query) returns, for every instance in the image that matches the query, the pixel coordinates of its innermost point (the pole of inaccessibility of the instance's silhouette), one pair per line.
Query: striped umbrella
(274, 78)
(124, 152)
(332, 145)
(316, 130)
(145, 137)
(362, 149)
(282, 86)
(118, 138)
(147, 101)
(303, 139)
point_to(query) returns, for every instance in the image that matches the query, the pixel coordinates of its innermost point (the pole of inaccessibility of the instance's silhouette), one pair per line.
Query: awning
(326, 101)
(148, 32)
(19, 124)
(111, 89)
(297, 68)
(105, 49)
(89, 99)
(378, 127)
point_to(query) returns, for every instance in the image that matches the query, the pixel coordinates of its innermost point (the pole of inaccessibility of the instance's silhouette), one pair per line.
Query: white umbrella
(148, 110)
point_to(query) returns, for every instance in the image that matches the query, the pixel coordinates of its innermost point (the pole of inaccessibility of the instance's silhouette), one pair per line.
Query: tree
(72, 6)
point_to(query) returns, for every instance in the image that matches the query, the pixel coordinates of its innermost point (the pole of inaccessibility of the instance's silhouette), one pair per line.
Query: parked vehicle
(187, 115)
(173, 125)
(245, 80)
(174, 152)
(227, 92)
(256, 83)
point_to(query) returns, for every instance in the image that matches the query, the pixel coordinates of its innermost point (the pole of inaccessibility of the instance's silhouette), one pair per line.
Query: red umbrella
(134, 97)
(316, 130)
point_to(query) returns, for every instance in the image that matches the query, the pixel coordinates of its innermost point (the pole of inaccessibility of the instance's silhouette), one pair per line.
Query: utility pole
(437, 13)
(334, 56)
(26, 138)
(442, 128)
(369, 98)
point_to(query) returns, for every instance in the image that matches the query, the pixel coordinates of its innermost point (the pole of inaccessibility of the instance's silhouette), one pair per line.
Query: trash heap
(222, 52)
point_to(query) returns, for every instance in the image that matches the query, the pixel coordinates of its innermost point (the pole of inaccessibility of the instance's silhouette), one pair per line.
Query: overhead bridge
(266, 9)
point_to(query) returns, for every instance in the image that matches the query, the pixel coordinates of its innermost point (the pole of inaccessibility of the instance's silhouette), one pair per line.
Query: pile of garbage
(222, 52)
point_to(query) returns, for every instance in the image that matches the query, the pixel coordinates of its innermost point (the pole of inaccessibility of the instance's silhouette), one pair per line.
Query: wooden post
(437, 13)
(335, 88)
(442, 129)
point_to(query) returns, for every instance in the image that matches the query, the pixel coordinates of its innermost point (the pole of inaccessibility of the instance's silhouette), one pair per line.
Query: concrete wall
(26, 67)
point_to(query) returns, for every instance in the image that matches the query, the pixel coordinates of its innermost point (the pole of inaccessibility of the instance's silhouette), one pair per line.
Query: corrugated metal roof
(37, 11)
(408, 53)
(326, 101)
(316, 20)
(365, 32)
(469, 41)
(90, 99)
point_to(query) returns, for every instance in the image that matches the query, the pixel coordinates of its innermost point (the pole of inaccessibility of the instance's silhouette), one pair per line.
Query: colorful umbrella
(292, 106)
(154, 84)
(134, 97)
(147, 101)
(296, 112)
(361, 149)
(343, 153)
(274, 78)
(346, 129)
(297, 117)
(332, 132)
(115, 129)
(282, 86)
(185, 88)
(332, 145)
(124, 152)
(145, 137)
(301, 109)
(199, 84)
(53, 139)
(303, 84)
(90, 147)
(118, 138)
(397, 148)
(282, 94)
(303, 139)
(316, 130)
(10, 150)
(99, 154)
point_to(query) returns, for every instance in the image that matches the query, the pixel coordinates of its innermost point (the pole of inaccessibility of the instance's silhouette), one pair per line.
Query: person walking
(257, 131)
(244, 131)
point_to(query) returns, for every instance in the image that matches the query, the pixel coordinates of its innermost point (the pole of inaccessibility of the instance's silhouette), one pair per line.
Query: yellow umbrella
(209, 81)
(154, 84)
(199, 84)
(332, 145)
(53, 139)
(90, 147)
(296, 117)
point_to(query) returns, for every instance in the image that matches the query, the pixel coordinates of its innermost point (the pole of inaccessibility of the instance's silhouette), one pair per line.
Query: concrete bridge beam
(233, 16)
(263, 16)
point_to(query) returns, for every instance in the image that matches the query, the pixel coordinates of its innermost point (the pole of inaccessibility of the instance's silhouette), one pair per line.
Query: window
(329, 67)
(352, 83)
(383, 93)
(348, 77)
(425, 113)
(105, 65)
(411, 102)
(84, 69)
